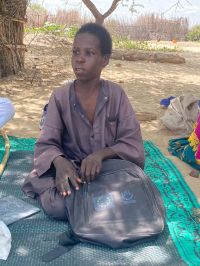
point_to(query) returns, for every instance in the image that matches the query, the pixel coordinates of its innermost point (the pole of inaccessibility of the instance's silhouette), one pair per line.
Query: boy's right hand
(65, 172)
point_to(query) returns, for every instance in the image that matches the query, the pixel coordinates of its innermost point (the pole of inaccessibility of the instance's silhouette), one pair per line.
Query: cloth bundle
(181, 114)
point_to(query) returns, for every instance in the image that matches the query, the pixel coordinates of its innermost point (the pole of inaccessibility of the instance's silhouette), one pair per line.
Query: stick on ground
(7, 151)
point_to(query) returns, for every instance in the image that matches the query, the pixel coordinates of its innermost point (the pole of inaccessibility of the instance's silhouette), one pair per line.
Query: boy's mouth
(79, 70)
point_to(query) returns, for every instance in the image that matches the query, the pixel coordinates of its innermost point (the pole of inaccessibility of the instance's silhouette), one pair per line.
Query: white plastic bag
(5, 241)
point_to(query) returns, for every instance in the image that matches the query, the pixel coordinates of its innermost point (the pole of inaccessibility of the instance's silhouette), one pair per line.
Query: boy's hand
(65, 172)
(91, 166)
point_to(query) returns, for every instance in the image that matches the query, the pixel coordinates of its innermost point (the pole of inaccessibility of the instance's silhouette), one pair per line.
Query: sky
(187, 8)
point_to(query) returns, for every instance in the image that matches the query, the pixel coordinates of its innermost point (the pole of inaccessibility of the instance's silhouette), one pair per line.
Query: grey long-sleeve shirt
(68, 132)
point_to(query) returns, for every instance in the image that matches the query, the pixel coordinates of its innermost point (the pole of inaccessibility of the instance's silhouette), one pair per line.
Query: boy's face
(87, 60)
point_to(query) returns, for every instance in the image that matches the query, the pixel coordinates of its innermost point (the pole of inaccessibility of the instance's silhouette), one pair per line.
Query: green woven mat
(34, 236)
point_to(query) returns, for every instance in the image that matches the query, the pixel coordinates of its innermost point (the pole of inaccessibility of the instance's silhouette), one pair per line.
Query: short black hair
(101, 33)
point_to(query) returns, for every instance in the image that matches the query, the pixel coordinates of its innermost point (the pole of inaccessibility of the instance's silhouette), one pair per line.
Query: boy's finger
(82, 171)
(93, 172)
(79, 180)
(67, 186)
(74, 183)
(89, 171)
(61, 189)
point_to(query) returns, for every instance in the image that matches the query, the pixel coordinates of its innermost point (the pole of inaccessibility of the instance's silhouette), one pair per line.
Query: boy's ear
(106, 59)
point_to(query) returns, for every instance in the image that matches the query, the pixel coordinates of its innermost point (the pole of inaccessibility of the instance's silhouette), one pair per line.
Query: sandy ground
(48, 66)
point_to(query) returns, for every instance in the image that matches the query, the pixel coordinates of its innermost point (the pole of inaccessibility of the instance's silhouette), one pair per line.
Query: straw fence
(12, 49)
(150, 26)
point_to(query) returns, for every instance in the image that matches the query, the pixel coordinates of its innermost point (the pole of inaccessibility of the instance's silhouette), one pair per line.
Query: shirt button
(105, 98)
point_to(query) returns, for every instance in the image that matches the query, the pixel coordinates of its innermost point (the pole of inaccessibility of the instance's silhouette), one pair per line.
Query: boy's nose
(81, 58)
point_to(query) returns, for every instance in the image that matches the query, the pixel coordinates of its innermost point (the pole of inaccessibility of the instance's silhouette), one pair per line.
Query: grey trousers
(44, 189)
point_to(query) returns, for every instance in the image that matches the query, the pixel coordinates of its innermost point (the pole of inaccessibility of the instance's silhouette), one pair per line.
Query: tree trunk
(99, 19)
(12, 49)
(148, 56)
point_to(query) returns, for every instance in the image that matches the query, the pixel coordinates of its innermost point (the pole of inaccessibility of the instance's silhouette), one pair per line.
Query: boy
(88, 121)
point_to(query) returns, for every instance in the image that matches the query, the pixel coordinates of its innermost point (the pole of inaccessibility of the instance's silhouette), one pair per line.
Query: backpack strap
(66, 242)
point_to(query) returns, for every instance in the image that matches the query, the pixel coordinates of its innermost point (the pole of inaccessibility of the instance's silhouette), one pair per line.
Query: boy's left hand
(91, 166)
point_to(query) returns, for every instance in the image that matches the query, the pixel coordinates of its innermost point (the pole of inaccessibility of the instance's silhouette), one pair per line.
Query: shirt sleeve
(128, 144)
(49, 144)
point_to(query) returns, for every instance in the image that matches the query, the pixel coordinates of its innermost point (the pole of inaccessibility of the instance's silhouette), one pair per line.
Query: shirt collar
(102, 98)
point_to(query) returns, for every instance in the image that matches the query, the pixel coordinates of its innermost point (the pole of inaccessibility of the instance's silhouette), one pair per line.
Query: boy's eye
(89, 52)
(75, 52)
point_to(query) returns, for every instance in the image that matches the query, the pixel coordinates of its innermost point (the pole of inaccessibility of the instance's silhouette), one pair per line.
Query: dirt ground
(48, 65)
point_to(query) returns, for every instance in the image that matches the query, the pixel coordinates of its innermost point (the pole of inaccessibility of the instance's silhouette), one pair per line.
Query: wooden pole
(7, 151)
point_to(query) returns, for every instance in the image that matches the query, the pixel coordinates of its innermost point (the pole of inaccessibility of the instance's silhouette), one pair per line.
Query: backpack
(120, 208)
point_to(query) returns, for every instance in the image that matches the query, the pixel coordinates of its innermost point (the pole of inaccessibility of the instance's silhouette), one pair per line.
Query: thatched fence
(12, 49)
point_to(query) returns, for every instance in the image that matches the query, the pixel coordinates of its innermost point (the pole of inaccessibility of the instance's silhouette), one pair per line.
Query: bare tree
(99, 18)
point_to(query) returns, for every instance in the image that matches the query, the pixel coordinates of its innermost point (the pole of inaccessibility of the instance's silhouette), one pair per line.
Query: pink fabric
(197, 132)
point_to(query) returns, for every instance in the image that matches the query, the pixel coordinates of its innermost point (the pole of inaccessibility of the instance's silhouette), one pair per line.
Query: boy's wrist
(58, 160)
(107, 153)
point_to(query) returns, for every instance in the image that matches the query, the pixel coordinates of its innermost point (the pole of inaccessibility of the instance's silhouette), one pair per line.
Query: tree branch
(98, 16)
(176, 5)
(112, 8)
(92, 8)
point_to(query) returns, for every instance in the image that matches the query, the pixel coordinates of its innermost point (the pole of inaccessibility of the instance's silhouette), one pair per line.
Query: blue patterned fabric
(182, 149)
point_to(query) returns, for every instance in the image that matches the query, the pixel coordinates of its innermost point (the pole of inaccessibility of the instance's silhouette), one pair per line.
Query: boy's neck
(87, 86)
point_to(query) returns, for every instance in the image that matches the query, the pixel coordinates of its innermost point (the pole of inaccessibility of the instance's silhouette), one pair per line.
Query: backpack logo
(127, 197)
(103, 202)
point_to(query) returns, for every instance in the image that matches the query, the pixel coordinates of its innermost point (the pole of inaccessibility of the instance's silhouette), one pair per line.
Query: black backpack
(121, 208)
